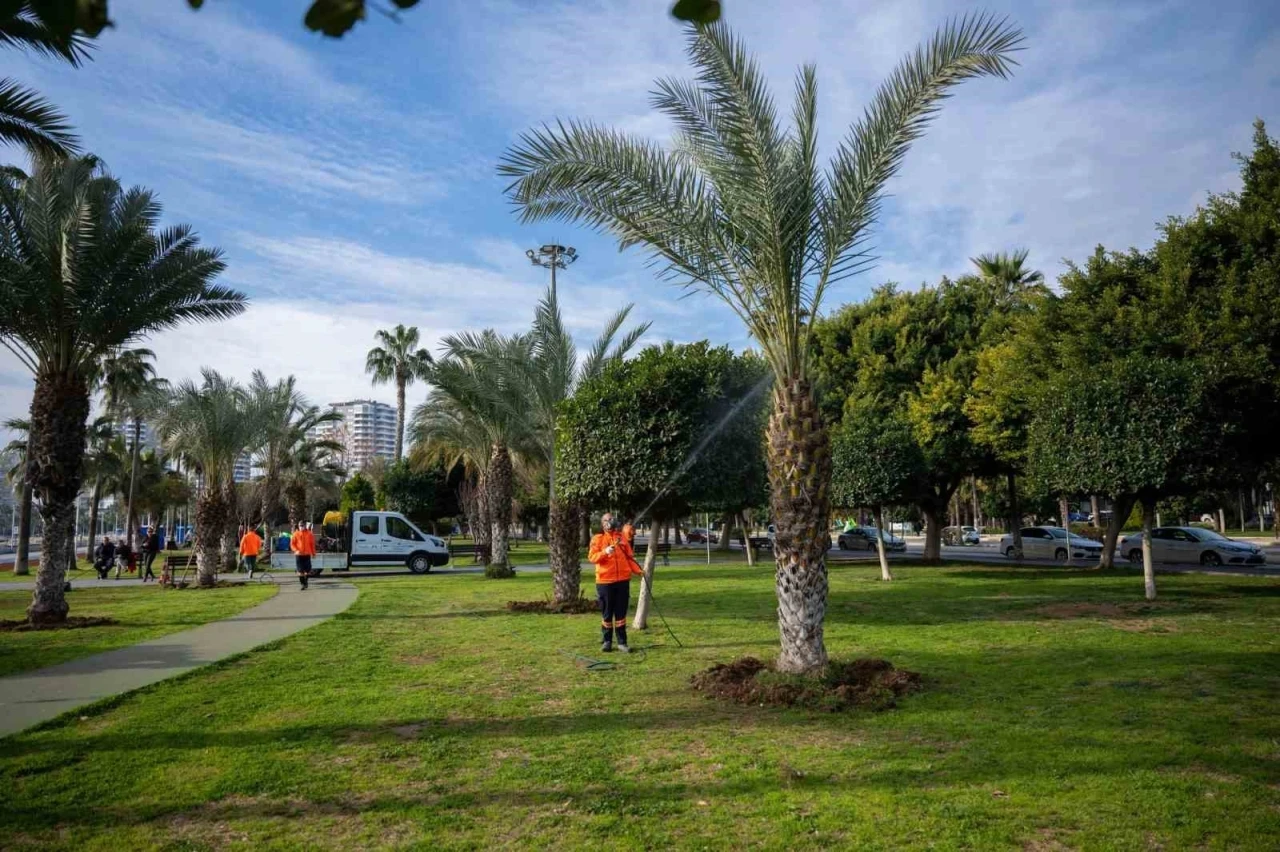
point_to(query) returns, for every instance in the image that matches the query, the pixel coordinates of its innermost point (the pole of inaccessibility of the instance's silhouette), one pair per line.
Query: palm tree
(443, 430)
(131, 390)
(84, 272)
(26, 119)
(309, 468)
(474, 381)
(398, 360)
(103, 466)
(18, 474)
(551, 375)
(740, 208)
(210, 424)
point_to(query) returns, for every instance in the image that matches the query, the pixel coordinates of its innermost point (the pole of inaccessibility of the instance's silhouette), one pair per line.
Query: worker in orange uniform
(250, 547)
(615, 562)
(303, 545)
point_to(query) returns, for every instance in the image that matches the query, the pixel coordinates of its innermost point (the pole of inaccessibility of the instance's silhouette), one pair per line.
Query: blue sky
(352, 183)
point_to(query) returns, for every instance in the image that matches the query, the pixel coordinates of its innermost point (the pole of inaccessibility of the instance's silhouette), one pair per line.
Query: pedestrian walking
(250, 547)
(150, 549)
(615, 562)
(303, 545)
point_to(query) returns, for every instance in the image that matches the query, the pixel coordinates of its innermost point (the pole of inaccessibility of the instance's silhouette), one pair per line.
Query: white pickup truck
(389, 538)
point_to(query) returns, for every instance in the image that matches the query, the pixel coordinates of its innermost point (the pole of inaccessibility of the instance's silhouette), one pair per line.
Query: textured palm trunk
(22, 560)
(933, 533)
(1148, 567)
(799, 456)
(270, 499)
(296, 498)
(400, 383)
(565, 555)
(499, 488)
(1015, 516)
(130, 520)
(55, 470)
(1120, 509)
(480, 529)
(211, 515)
(230, 539)
(640, 621)
(884, 557)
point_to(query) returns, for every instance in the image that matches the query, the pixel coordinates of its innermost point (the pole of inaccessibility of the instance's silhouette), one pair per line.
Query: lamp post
(552, 257)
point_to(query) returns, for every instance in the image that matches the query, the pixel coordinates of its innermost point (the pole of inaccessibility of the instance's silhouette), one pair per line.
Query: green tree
(104, 466)
(551, 376)
(742, 209)
(84, 272)
(291, 420)
(421, 494)
(310, 470)
(444, 431)
(17, 476)
(131, 390)
(211, 424)
(875, 462)
(357, 495)
(398, 360)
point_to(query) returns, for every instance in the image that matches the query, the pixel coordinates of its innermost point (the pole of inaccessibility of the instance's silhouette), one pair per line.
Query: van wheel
(1135, 556)
(419, 563)
(1011, 553)
(1210, 558)
(1060, 555)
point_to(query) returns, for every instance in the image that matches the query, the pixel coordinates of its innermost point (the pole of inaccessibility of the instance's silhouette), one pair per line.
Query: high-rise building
(149, 440)
(367, 431)
(242, 472)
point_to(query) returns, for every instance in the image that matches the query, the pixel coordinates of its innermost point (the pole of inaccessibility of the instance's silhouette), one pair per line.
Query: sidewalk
(34, 697)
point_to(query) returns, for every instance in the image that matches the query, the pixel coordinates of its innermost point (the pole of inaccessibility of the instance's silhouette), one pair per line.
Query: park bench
(185, 562)
(663, 550)
(761, 542)
(472, 550)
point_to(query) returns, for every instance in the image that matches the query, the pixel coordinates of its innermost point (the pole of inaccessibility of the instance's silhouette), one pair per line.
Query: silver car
(1191, 545)
(1051, 543)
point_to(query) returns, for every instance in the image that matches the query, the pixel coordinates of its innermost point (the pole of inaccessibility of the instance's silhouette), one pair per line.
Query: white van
(389, 538)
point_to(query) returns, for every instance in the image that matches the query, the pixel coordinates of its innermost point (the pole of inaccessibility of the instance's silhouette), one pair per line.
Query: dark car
(864, 538)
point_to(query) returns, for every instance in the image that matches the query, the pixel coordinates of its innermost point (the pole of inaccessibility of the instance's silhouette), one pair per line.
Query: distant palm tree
(442, 430)
(290, 420)
(1010, 273)
(17, 476)
(741, 209)
(210, 425)
(26, 119)
(131, 390)
(473, 381)
(84, 272)
(551, 375)
(310, 468)
(103, 466)
(398, 360)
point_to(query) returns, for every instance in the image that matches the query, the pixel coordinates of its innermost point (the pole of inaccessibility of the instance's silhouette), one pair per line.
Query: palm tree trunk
(799, 457)
(230, 541)
(130, 521)
(296, 496)
(499, 488)
(55, 470)
(565, 557)
(1015, 516)
(1148, 568)
(400, 383)
(211, 513)
(884, 557)
(1120, 509)
(22, 560)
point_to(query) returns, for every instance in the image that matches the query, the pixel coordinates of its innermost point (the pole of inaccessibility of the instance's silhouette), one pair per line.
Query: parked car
(864, 538)
(1051, 543)
(697, 535)
(960, 536)
(1192, 544)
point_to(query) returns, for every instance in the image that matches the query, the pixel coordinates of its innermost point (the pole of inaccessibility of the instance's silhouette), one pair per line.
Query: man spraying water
(615, 562)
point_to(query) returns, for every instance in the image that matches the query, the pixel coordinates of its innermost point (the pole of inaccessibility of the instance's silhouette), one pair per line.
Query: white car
(1191, 545)
(1051, 543)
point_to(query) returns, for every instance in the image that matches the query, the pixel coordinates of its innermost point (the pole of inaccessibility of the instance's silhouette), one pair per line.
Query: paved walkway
(33, 697)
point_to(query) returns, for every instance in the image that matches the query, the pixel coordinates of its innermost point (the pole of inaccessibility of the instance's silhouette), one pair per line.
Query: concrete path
(33, 697)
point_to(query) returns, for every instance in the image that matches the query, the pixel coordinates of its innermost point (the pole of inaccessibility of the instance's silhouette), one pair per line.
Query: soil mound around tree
(74, 622)
(578, 606)
(864, 683)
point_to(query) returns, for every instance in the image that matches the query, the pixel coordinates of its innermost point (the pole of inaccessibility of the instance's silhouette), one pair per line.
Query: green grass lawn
(144, 612)
(1061, 712)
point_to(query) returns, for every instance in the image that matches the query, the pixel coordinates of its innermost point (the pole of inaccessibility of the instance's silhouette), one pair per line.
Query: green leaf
(334, 17)
(697, 11)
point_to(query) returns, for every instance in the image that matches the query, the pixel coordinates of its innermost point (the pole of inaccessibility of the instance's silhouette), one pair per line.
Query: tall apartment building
(243, 471)
(149, 440)
(367, 431)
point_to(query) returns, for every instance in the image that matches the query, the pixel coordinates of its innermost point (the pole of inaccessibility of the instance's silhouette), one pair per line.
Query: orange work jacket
(303, 543)
(251, 544)
(612, 567)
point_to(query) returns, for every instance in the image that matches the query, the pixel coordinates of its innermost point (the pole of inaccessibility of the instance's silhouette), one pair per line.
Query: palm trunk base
(565, 557)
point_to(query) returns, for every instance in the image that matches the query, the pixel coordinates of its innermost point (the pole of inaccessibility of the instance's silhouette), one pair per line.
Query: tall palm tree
(103, 466)
(740, 208)
(290, 421)
(131, 390)
(210, 424)
(84, 272)
(18, 474)
(398, 360)
(551, 376)
(310, 468)
(442, 430)
(473, 378)
(26, 119)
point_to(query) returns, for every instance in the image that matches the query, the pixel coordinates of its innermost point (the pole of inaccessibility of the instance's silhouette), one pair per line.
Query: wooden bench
(473, 550)
(185, 561)
(661, 549)
(761, 542)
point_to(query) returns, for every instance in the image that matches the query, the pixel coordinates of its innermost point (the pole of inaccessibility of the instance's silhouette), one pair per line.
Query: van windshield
(399, 528)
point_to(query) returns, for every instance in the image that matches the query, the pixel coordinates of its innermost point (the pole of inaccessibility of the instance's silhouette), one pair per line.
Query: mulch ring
(863, 683)
(74, 622)
(578, 606)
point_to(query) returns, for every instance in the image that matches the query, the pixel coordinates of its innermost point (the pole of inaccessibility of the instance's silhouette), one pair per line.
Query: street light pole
(552, 256)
